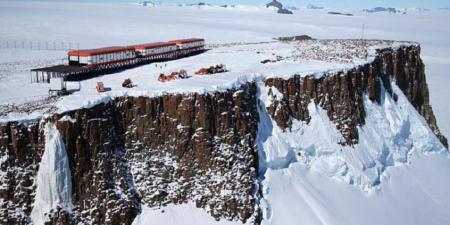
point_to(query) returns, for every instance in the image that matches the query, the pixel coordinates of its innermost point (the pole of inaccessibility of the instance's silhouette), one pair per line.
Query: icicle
(54, 181)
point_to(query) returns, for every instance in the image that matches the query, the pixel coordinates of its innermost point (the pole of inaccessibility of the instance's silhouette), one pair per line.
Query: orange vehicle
(127, 83)
(221, 68)
(182, 74)
(100, 87)
(202, 71)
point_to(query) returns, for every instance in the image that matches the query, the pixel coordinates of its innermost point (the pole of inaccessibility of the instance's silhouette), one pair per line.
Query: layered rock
(195, 147)
(133, 151)
(103, 190)
(341, 94)
(20, 149)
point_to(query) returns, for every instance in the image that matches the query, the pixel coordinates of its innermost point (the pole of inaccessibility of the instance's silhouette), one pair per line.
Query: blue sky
(327, 3)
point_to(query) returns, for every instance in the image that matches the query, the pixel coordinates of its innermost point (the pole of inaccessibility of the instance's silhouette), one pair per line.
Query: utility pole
(363, 43)
(362, 33)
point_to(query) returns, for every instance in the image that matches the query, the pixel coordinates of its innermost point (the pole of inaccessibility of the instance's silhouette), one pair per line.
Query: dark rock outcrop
(133, 151)
(284, 11)
(195, 147)
(295, 38)
(341, 94)
(382, 9)
(340, 14)
(102, 183)
(279, 6)
(21, 147)
(275, 3)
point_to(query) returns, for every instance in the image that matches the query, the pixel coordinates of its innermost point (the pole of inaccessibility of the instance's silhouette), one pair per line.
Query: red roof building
(151, 45)
(99, 51)
(185, 41)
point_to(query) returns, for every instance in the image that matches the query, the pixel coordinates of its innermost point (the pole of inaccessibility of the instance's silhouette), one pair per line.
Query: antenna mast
(362, 33)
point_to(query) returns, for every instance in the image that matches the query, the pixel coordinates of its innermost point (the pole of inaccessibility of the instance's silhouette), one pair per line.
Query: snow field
(178, 214)
(378, 181)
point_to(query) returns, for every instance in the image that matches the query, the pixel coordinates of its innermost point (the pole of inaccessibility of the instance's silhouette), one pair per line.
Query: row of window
(95, 59)
(193, 44)
(158, 50)
(162, 56)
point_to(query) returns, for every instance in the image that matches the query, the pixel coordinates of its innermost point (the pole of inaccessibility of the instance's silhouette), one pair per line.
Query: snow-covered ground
(413, 194)
(398, 174)
(243, 62)
(395, 175)
(177, 214)
(95, 24)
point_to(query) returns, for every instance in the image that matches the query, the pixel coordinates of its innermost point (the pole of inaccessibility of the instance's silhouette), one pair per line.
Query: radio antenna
(362, 32)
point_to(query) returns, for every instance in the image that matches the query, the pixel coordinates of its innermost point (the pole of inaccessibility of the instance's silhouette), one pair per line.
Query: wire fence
(23, 99)
(39, 45)
(33, 103)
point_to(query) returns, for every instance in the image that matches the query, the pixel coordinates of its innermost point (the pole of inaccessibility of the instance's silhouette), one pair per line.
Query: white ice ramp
(53, 181)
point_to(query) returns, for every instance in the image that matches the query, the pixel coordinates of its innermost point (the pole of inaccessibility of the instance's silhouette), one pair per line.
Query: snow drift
(317, 181)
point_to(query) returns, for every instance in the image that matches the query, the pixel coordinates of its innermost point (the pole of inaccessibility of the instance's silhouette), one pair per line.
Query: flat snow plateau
(398, 174)
(243, 60)
(96, 25)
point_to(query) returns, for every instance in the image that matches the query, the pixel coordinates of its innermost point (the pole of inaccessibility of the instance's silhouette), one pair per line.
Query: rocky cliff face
(195, 147)
(341, 94)
(154, 151)
(188, 147)
(20, 152)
